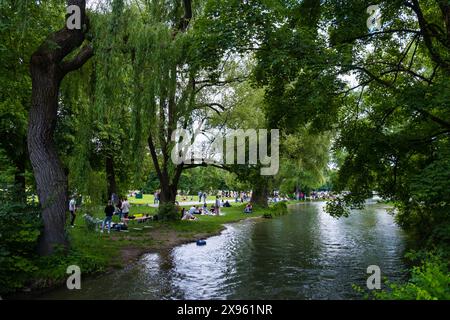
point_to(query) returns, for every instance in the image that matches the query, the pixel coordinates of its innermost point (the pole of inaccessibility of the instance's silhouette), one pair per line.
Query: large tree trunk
(168, 194)
(260, 193)
(110, 175)
(48, 68)
(51, 180)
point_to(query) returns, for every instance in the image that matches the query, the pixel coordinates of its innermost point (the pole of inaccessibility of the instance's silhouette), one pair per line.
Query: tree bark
(47, 71)
(168, 194)
(51, 180)
(260, 193)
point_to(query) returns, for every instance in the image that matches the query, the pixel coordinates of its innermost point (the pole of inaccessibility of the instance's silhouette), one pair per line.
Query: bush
(19, 231)
(52, 269)
(429, 281)
(168, 212)
(279, 209)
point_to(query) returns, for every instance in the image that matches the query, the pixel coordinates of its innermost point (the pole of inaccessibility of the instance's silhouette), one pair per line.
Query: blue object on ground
(201, 242)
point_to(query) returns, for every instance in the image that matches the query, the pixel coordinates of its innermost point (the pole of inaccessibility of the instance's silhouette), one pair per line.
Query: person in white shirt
(73, 210)
(187, 215)
(125, 209)
(217, 206)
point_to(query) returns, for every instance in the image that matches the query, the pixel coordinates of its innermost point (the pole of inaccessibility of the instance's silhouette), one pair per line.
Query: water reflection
(304, 255)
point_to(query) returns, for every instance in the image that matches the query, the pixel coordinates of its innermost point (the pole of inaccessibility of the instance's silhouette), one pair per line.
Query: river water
(304, 255)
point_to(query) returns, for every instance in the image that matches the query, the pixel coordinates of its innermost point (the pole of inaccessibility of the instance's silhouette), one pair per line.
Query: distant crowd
(121, 207)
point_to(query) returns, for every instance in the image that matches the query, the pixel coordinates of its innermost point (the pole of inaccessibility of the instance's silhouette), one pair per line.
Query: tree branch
(79, 60)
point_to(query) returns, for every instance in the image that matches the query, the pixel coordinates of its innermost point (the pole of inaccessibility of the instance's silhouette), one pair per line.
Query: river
(303, 255)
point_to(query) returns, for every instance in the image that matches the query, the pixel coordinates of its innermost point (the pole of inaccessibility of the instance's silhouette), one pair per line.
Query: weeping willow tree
(159, 64)
(304, 161)
(110, 107)
(100, 97)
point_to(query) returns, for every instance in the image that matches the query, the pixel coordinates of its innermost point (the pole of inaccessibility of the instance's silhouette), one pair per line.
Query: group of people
(322, 195)
(239, 196)
(278, 198)
(196, 210)
(242, 196)
(116, 206)
(121, 207)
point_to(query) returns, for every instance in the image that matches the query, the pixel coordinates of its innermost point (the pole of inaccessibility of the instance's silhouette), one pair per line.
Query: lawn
(149, 199)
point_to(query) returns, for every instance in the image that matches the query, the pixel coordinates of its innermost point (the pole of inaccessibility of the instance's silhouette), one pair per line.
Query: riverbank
(305, 254)
(100, 253)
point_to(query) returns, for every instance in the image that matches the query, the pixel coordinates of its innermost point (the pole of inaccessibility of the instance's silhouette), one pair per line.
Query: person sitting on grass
(248, 208)
(109, 212)
(188, 216)
(205, 210)
(226, 204)
(192, 210)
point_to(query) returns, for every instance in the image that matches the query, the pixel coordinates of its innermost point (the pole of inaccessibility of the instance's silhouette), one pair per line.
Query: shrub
(279, 209)
(168, 212)
(19, 231)
(429, 281)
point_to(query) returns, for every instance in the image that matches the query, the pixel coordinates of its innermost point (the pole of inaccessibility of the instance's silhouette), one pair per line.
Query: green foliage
(208, 180)
(168, 212)
(278, 209)
(23, 25)
(429, 281)
(304, 160)
(51, 270)
(19, 231)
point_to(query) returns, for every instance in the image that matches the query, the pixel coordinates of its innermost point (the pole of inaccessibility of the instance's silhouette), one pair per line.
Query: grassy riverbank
(96, 252)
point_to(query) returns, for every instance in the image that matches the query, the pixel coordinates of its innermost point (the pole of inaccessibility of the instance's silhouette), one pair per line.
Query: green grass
(204, 224)
(149, 199)
(213, 224)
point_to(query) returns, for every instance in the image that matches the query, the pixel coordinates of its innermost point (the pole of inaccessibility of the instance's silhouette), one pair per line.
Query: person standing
(204, 196)
(109, 212)
(125, 209)
(217, 206)
(200, 194)
(73, 210)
